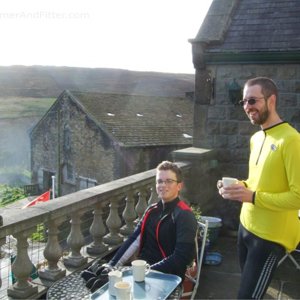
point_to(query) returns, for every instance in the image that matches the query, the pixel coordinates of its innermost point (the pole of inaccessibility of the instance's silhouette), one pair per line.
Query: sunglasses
(250, 101)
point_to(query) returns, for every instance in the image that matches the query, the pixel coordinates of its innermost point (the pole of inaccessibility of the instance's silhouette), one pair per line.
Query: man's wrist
(253, 197)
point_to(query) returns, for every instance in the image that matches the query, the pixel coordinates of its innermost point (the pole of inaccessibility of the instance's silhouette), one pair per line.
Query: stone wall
(67, 138)
(224, 126)
(200, 179)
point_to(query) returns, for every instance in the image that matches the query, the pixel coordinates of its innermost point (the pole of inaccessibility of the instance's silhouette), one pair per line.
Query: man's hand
(236, 192)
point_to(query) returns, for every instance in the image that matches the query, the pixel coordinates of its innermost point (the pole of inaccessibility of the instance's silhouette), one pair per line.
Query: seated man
(165, 236)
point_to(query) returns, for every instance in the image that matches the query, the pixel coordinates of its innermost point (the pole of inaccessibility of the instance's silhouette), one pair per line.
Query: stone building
(87, 139)
(238, 40)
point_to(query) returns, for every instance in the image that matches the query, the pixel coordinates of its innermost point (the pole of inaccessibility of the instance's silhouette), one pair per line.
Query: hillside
(43, 81)
(26, 93)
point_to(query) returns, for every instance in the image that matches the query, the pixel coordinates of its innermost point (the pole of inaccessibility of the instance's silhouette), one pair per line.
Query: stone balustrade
(116, 206)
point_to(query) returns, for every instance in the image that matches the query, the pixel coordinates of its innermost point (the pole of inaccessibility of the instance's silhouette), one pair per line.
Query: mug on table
(140, 268)
(113, 278)
(123, 290)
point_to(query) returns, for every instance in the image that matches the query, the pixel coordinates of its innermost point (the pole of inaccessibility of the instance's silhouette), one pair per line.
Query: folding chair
(194, 276)
(290, 256)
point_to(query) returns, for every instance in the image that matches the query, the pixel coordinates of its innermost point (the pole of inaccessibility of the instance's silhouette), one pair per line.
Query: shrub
(10, 194)
(196, 210)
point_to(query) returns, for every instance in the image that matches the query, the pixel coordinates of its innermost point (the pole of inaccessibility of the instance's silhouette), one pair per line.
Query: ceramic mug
(140, 268)
(227, 181)
(113, 278)
(123, 290)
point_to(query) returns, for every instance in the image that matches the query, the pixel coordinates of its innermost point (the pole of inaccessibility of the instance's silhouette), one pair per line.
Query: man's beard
(262, 117)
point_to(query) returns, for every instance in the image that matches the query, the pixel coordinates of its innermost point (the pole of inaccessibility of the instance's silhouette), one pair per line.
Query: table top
(71, 287)
(157, 285)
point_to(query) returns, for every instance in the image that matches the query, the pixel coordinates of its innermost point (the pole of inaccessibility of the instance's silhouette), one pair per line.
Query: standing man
(269, 223)
(165, 236)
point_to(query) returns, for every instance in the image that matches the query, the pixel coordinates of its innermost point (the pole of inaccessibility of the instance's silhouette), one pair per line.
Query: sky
(141, 35)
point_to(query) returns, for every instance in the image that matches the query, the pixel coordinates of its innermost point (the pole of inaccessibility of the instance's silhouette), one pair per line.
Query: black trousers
(258, 261)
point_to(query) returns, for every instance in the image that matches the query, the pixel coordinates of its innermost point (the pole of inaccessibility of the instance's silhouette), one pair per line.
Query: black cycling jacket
(166, 235)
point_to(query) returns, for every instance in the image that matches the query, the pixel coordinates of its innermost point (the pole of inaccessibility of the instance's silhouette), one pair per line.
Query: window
(85, 183)
(69, 174)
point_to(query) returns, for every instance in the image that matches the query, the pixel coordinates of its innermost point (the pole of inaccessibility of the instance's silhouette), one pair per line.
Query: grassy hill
(26, 93)
(39, 81)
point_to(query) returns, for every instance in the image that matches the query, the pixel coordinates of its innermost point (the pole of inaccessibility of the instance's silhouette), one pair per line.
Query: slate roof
(264, 25)
(252, 26)
(136, 121)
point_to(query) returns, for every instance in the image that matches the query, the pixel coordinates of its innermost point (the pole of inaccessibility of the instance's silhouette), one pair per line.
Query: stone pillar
(204, 86)
(129, 215)
(76, 241)
(141, 204)
(53, 252)
(22, 267)
(200, 180)
(153, 196)
(97, 231)
(113, 223)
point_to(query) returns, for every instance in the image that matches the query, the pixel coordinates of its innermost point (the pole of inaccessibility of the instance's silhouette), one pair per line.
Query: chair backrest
(194, 277)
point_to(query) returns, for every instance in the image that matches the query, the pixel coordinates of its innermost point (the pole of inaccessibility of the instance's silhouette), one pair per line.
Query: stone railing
(116, 206)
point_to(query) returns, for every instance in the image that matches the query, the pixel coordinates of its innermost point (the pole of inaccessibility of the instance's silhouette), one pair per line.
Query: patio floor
(222, 281)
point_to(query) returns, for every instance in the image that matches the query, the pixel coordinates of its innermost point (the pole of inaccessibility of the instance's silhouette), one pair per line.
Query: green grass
(16, 107)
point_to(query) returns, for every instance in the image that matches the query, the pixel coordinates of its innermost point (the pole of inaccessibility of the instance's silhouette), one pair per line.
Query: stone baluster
(129, 215)
(75, 241)
(53, 252)
(113, 224)
(22, 268)
(141, 204)
(153, 196)
(97, 231)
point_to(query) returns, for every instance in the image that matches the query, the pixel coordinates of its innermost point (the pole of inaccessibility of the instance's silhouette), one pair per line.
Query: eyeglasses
(168, 181)
(250, 101)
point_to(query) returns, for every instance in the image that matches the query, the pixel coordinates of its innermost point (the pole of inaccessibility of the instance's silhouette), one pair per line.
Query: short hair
(168, 165)
(268, 86)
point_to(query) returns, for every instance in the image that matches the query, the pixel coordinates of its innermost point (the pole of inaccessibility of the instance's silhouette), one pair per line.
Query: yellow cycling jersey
(274, 175)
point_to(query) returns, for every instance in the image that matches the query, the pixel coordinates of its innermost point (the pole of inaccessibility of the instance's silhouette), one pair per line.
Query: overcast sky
(142, 35)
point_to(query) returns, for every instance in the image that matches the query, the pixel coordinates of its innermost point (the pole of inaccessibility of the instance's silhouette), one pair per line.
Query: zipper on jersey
(262, 145)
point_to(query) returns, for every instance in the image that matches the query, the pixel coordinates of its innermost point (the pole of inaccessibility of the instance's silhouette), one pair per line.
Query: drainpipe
(58, 175)
(53, 187)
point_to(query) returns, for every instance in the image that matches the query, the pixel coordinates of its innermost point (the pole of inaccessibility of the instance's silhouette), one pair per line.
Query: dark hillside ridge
(48, 81)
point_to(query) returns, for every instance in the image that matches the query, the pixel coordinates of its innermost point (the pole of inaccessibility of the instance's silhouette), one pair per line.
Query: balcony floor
(222, 281)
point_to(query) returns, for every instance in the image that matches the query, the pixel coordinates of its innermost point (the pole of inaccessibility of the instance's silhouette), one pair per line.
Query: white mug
(227, 181)
(123, 290)
(113, 277)
(140, 268)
